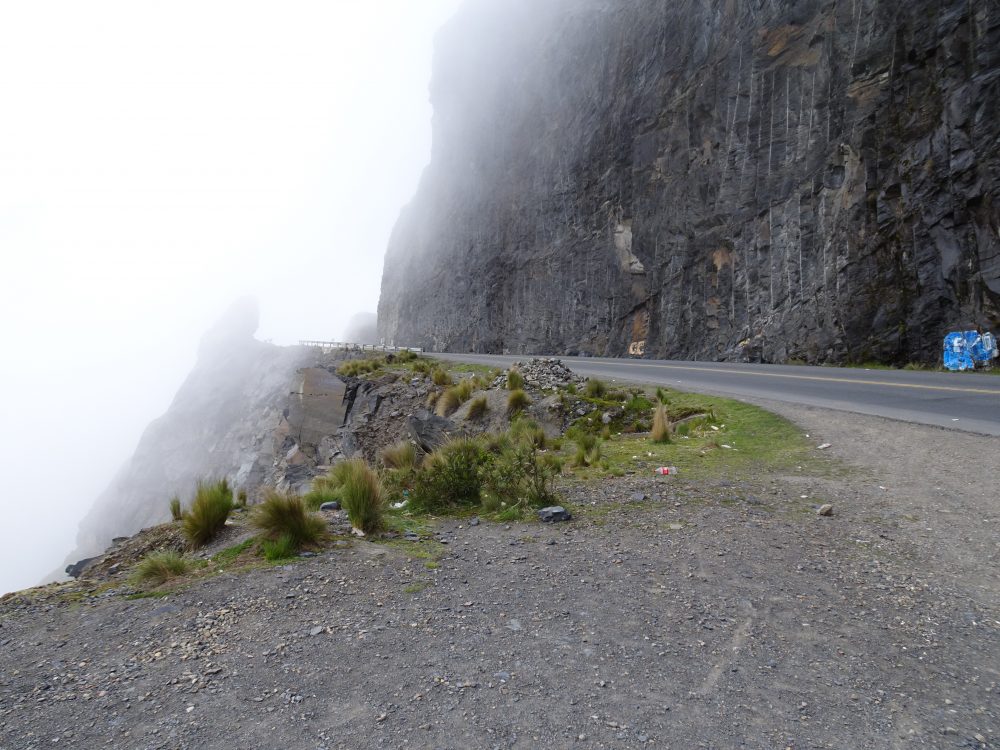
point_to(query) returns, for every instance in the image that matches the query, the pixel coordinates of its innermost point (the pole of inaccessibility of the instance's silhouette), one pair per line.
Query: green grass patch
(229, 554)
(756, 438)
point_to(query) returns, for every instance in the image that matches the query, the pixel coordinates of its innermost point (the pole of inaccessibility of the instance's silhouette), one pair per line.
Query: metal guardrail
(344, 346)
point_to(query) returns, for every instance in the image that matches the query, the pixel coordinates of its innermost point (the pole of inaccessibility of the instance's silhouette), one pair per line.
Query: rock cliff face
(758, 180)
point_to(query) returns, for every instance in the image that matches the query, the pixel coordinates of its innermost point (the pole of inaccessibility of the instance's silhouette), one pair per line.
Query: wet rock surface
(720, 613)
(761, 182)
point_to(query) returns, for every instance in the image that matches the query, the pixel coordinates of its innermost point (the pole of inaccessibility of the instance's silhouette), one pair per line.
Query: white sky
(157, 161)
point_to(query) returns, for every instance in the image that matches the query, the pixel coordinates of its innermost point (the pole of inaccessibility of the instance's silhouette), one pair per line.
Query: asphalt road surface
(961, 401)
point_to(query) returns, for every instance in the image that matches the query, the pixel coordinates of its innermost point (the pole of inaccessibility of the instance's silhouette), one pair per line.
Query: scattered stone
(825, 510)
(332, 505)
(544, 374)
(554, 514)
(638, 497)
(474, 521)
(823, 447)
(316, 630)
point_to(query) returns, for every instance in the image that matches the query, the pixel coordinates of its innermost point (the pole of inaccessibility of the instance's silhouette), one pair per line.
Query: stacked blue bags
(963, 350)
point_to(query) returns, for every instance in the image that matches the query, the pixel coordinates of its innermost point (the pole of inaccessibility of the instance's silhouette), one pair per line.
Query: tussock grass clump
(401, 455)
(465, 388)
(661, 425)
(363, 496)
(478, 407)
(448, 402)
(406, 356)
(662, 397)
(325, 488)
(595, 388)
(358, 367)
(159, 567)
(175, 508)
(432, 399)
(588, 450)
(213, 502)
(450, 477)
(515, 380)
(517, 402)
(440, 376)
(282, 515)
(281, 548)
(527, 430)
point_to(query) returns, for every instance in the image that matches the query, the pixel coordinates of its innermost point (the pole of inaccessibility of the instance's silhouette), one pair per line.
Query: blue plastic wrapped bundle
(963, 350)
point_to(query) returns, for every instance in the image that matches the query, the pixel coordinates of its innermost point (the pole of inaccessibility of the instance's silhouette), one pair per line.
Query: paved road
(963, 401)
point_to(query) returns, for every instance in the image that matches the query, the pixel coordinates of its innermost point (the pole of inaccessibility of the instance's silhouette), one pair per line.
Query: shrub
(448, 402)
(175, 508)
(212, 505)
(440, 377)
(595, 388)
(450, 477)
(281, 548)
(282, 515)
(401, 455)
(518, 477)
(515, 380)
(588, 450)
(363, 496)
(159, 567)
(661, 425)
(478, 407)
(517, 402)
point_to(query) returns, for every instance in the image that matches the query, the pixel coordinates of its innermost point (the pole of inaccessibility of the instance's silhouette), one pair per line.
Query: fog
(158, 161)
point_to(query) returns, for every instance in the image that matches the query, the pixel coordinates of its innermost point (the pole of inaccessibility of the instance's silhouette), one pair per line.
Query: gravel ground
(711, 615)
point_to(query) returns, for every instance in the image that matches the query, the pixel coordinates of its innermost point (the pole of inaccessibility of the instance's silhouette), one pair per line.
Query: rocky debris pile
(542, 374)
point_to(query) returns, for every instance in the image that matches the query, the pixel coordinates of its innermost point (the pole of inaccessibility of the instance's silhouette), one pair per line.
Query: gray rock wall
(722, 180)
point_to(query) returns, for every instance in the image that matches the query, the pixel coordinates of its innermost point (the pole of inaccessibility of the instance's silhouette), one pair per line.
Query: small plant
(606, 433)
(450, 477)
(571, 389)
(440, 377)
(527, 430)
(464, 389)
(159, 567)
(661, 425)
(213, 502)
(515, 380)
(661, 397)
(517, 402)
(363, 497)
(282, 515)
(448, 402)
(401, 455)
(175, 508)
(588, 450)
(519, 478)
(595, 388)
(478, 407)
(281, 548)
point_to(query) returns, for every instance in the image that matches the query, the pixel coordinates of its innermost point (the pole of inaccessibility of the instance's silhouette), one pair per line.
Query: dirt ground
(707, 615)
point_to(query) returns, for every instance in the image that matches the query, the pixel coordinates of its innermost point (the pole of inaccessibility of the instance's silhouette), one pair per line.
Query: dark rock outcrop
(756, 180)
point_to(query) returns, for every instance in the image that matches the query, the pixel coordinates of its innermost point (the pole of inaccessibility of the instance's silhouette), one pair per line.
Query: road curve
(960, 401)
